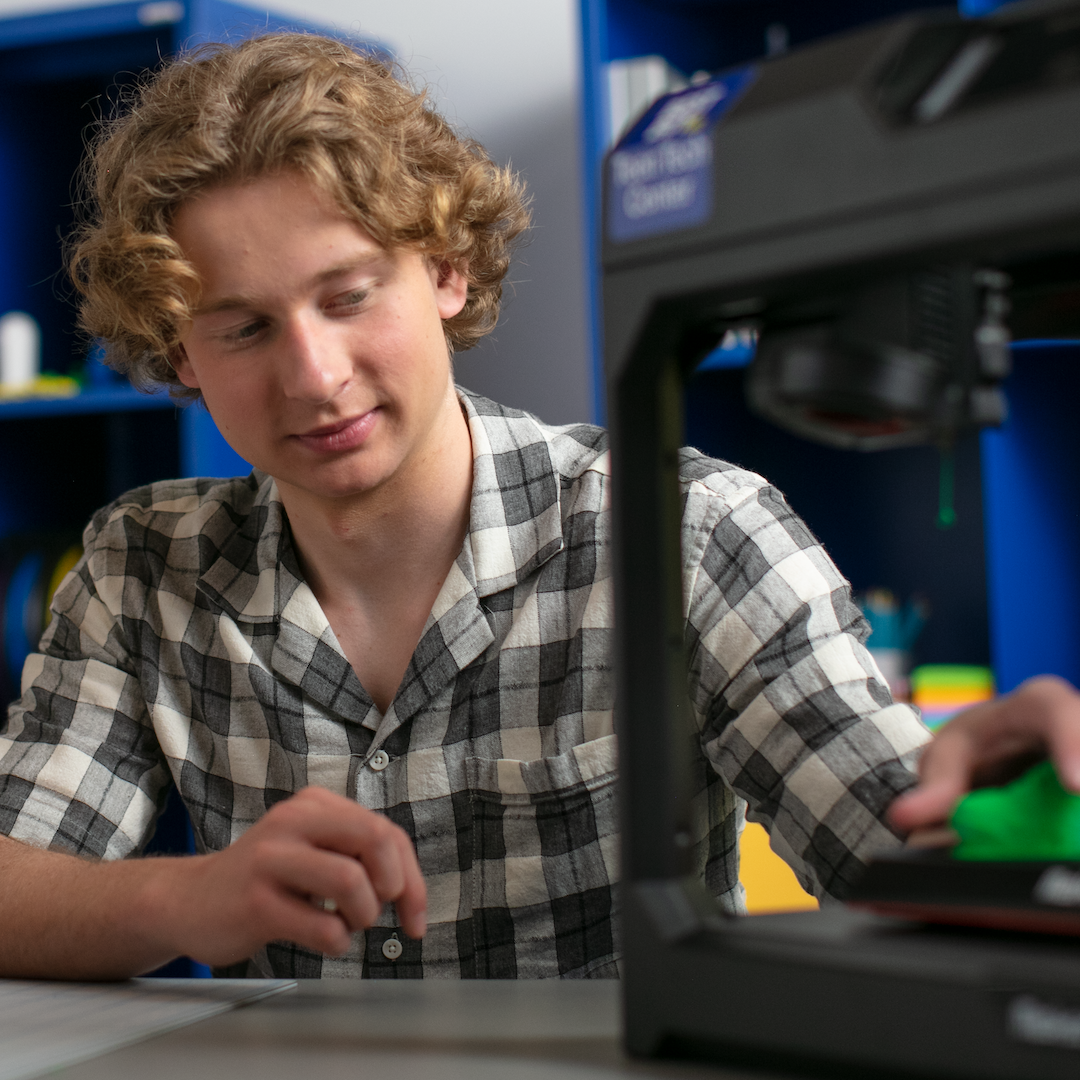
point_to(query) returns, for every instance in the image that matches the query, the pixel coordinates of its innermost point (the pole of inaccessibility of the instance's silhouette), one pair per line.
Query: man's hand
(270, 884)
(991, 744)
(64, 917)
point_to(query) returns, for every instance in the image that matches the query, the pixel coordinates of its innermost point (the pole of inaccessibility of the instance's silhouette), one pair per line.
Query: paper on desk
(47, 1025)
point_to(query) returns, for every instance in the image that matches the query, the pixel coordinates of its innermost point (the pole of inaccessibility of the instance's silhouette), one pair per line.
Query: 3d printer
(882, 208)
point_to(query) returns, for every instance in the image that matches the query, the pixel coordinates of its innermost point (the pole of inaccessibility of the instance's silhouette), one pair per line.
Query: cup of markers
(894, 628)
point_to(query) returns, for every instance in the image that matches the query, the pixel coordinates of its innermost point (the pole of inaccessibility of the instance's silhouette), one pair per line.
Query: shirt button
(379, 760)
(391, 947)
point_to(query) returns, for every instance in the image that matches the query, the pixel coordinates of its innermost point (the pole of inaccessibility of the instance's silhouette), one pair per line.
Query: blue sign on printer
(660, 174)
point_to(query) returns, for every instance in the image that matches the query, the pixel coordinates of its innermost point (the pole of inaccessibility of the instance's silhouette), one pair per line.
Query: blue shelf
(104, 400)
(80, 23)
(195, 20)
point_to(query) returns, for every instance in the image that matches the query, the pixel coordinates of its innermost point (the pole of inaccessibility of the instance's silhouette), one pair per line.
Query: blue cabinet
(1003, 585)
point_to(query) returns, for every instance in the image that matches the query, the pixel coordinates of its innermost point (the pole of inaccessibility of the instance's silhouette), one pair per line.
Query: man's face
(319, 354)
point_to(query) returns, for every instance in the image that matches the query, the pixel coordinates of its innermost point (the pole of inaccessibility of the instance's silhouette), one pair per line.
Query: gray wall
(505, 72)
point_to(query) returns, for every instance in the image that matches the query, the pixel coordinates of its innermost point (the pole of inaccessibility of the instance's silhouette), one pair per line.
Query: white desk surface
(407, 1030)
(45, 1026)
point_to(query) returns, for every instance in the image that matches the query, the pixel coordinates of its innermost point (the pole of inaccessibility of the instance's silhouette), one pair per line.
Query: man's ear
(451, 288)
(179, 362)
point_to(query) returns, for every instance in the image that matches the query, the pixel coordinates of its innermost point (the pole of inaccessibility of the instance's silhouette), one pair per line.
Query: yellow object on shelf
(44, 386)
(770, 883)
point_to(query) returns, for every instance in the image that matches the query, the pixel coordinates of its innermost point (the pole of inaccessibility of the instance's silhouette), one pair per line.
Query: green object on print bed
(1032, 819)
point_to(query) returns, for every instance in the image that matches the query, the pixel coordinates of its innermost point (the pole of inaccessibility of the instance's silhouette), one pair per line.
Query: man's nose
(316, 364)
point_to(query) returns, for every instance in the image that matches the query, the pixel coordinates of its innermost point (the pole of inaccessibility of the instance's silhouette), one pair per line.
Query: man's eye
(248, 331)
(348, 301)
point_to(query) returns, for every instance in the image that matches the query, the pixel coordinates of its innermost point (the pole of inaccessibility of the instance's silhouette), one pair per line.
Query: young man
(378, 670)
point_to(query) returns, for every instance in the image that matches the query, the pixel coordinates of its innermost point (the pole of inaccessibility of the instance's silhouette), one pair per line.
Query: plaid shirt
(186, 648)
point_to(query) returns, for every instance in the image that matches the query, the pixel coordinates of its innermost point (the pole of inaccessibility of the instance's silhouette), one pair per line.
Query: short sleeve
(80, 766)
(792, 710)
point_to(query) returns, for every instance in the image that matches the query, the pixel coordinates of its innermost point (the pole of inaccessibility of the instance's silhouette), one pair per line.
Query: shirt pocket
(544, 862)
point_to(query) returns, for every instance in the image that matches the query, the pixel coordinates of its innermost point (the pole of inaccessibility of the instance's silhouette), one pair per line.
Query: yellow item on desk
(770, 883)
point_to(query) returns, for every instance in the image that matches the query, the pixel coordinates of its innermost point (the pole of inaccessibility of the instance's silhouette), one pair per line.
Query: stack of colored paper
(942, 690)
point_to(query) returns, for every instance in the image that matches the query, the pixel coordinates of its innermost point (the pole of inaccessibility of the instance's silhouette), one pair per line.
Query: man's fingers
(385, 850)
(991, 744)
(348, 883)
(947, 770)
(387, 855)
(1062, 705)
(313, 845)
(320, 931)
(280, 917)
(308, 871)
(299, 921)
(331, 823)
(945, 774)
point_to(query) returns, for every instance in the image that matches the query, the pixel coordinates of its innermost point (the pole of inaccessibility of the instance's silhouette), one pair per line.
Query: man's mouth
(341, 435)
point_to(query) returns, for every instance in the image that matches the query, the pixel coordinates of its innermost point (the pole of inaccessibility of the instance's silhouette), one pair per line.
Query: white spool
(20, 350)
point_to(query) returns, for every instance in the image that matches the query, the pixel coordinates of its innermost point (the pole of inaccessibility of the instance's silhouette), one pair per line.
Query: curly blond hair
(226, 113)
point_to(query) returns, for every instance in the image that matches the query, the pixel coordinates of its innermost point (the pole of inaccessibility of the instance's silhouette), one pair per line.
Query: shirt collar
(250, 564)
(515, 520)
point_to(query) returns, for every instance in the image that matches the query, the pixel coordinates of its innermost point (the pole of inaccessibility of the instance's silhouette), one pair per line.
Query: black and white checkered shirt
(186, 648)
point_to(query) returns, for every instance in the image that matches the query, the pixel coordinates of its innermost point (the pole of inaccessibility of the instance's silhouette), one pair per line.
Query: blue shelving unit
(1004, 585)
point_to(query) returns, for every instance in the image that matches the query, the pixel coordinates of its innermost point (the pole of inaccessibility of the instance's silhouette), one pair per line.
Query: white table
(400, 1030)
